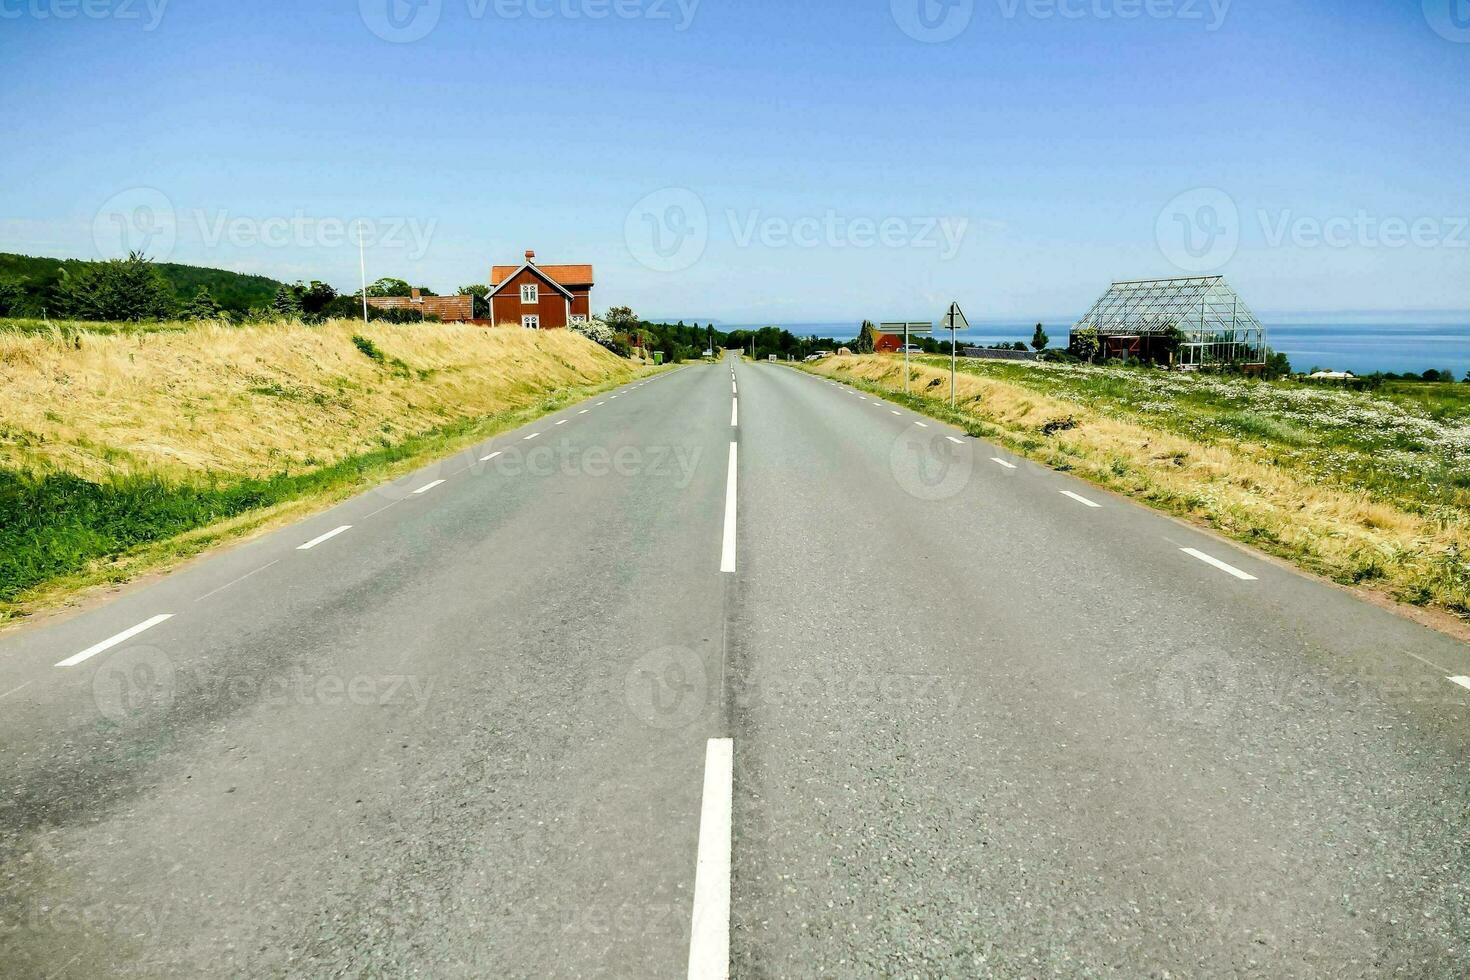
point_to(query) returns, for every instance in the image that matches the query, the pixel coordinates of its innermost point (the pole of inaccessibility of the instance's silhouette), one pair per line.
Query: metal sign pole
(952, 363)
(905, 358)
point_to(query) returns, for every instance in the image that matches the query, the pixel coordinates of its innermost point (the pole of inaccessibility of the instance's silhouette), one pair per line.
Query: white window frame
(531, 321)
(530, 293)
(579, 318)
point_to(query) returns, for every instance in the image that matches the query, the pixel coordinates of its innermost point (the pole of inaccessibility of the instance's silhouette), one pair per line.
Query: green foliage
(202, 307)
(12, 295)
(1039, 339)
(286, 302)
(121, 289)
(864, 342)
(390, 287)
(368, 347)
(1085, 344)
(40, 281)
(1277, 365)
(474, 289)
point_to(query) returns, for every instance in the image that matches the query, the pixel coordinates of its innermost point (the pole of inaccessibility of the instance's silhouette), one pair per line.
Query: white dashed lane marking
(1079, 498)
(997, 459)
(114, 640)
(1210, 560)
(323, 537)
(428, 486)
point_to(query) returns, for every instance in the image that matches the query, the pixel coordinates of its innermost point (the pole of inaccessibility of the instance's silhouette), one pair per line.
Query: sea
(1358, 342)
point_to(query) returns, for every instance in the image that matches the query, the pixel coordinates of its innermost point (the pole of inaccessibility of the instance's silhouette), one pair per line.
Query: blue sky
(759, 160)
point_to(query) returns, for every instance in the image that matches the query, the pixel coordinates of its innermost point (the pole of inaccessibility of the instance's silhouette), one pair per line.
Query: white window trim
(579, 318)
(531, 321)
(530, 293)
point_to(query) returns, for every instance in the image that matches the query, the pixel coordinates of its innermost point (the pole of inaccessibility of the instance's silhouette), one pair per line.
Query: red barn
(540, 297)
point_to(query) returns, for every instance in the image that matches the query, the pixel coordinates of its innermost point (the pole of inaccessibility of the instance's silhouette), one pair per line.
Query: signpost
(907, 328)
(953, 320)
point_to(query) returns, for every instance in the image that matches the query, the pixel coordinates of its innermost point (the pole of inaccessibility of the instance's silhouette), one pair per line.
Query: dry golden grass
(1341, 534)
(255, 400)
(120, 452)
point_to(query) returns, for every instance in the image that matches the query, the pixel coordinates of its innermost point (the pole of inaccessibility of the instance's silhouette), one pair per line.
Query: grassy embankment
(127, 450)
(1366, 488)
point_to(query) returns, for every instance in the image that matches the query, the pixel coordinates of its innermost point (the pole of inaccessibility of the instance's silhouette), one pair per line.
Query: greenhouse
(1189, 323)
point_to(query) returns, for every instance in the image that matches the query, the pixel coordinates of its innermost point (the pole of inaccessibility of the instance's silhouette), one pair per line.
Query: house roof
(565, 275)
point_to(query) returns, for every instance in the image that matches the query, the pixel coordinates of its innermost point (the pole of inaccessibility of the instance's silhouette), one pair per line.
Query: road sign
(919, 328)
(954, 320)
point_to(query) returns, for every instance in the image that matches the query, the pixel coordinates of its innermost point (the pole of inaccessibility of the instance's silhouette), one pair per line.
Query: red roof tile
(567, 275)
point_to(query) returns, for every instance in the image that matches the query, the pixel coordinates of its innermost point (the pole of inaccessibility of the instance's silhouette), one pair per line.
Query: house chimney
(417, 297)
(530, 256)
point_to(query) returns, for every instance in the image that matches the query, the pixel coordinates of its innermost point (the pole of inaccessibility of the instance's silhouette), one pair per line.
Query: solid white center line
(1079, 498)
(922, 425)
(709, 933)
(486, 459)
(563, 421)
(958, 442)
(428, 486)
(997, 459)
(727, 551)
(323, 537)
(735, 411)
(1209, 560)
(1462, 681)
(532, 435)
(113, 641)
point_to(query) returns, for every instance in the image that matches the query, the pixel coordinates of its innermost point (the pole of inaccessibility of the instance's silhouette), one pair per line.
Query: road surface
(756, 673)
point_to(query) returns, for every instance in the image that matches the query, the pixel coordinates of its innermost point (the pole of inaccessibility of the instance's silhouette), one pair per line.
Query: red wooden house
(540, 297)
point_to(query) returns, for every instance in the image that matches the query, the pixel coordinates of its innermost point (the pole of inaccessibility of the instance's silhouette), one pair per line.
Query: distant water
(1361, 343)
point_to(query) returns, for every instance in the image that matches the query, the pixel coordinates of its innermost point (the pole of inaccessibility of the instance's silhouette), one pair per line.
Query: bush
(120, 289)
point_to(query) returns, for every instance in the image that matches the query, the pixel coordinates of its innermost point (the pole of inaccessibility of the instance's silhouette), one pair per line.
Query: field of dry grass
(122, 450)
(1260, 486)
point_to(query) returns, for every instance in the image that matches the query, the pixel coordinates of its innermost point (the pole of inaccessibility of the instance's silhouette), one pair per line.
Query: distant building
(1135, 319)
(540, 297)
(446, 308)
(1332, 376)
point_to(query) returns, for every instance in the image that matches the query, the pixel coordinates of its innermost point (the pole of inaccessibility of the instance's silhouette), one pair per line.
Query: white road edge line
(113, 641)
(1209, 560)
(486, 459)
(428, 486)
(1462, 681)
(727, 550)
(997, 459)
(1079, 498)
(709, 932)
(323, 537)
(735, 412)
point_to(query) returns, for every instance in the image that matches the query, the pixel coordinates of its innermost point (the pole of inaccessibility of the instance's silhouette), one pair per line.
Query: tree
(118, 289)
(864, 342)
(203, 306)
(1170, 341)
(315, 299)
(390, 287)
(595, 328)
(1277, 365)
(11, 296)
(475, 289)
(286, 302)
(1039, 339)
(1085, 345)
(622, 319)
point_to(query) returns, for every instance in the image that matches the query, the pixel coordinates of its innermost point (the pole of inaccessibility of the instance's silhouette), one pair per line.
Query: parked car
(911, 349)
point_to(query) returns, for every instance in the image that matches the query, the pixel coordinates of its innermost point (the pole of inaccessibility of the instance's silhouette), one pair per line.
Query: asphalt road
(817, 687)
